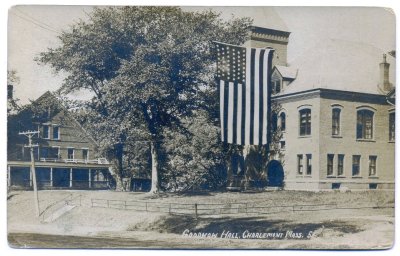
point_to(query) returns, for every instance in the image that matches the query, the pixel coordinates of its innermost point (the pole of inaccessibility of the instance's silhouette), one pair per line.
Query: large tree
(146, 67)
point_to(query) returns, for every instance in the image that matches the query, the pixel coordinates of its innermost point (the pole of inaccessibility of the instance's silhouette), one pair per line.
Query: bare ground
(86, 227)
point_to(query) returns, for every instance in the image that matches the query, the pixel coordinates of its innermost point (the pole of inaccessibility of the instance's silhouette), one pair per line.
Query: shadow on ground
(178, 224)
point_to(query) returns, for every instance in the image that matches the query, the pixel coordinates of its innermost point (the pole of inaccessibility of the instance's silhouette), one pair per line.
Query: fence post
(195, 210)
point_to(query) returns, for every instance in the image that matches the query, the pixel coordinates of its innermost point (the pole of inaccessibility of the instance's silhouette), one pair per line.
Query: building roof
(341, 65)
(287, 72)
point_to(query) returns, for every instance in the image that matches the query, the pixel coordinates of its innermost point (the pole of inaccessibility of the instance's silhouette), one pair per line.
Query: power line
(35, 20)
(37, 24)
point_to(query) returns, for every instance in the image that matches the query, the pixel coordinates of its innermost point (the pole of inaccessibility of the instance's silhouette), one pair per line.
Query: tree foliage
(148, 68)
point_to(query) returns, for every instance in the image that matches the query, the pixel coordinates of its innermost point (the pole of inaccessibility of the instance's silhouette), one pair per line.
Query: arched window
(283, 121)
(365, 123)
(392, 128)
(305, 122)
(336, 121)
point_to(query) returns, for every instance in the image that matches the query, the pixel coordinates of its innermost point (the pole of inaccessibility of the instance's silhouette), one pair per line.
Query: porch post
(51, 176)
(70, 177)
(90, 178)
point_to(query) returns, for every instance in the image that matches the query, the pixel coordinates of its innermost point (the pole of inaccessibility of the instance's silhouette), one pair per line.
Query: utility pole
(31, 146)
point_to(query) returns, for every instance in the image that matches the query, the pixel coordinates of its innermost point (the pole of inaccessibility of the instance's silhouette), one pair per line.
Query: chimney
(10, 89)
(261, 37)
(384, 75)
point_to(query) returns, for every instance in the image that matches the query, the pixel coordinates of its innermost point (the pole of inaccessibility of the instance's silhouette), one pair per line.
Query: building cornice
(332, 94)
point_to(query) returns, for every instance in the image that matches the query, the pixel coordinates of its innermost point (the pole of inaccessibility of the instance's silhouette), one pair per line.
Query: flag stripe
(230, 112)
(256, 97)
(243, 124)
(261, 105)
(252, 74)
(235, 113)
(247, 86)
(226, 99)
(239, 115)
(221, 107)
(269, 88)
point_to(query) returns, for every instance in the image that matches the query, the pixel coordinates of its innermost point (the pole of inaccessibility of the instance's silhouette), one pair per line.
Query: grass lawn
(330, 229)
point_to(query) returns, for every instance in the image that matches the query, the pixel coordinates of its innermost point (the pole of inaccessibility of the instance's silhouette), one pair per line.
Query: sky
(33, 29)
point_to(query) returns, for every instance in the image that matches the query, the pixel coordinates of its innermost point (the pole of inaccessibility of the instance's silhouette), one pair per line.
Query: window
(329, 166)
(283, 121)
(283, 145)
(365, 124)
(300, 164)
(46, 132)
(70, 153)
(85, 154)
(392, 127)
(335, 121)
(56, 132)
(309, 164)
(44, 152)
(372, 165)
(36, 153)
(356, 166)
(54, 152)
(276, 86)
(305, 122)
(340, 165)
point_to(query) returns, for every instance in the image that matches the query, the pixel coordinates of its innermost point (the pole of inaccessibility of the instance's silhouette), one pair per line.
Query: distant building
(65, 156)
(337, 123)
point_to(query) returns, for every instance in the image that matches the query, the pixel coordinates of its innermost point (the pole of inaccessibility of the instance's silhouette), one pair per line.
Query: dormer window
(276, 86)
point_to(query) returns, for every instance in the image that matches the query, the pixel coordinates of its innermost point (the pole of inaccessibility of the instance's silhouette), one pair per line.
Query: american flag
(244, 76)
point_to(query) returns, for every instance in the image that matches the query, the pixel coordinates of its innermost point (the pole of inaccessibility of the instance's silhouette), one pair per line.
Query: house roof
(341, 65)
(48, 96)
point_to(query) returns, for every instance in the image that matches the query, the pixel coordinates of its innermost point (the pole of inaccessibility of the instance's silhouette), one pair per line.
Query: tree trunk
(155, 184)
(118, 163)
(118, 183)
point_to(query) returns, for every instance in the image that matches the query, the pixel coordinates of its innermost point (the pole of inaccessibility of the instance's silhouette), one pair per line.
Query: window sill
(331, 176)
(303, 176)
(341, 177)
(304, 136)
(365, 140)
(337, 136)
(356, 177)
(373, 177)
(391, 141)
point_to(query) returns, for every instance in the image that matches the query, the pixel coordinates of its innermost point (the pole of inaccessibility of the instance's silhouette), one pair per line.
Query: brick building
(336, 122)
(65, 156)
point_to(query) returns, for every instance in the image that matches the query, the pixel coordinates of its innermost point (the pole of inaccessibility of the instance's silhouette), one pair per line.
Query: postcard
(160, 127)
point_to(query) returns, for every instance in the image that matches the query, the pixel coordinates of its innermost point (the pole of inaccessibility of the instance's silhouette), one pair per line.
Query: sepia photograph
(201, 127)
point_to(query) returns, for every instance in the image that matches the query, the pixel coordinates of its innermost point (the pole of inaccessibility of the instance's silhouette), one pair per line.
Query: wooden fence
(209, 209)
